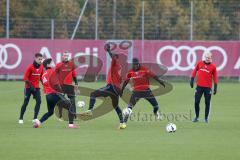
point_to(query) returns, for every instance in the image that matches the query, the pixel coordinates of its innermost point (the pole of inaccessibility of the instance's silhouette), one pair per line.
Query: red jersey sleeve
(215, 75)
(27, 73)
(150, 73)
(74, 74)
(194, 72)
(41, 73)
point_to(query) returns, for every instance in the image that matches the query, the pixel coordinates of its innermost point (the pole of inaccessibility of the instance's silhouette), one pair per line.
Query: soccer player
(32, 76)
(140, 76)
(52, 96)
(66, 75)
(112, 89)
(207, 73)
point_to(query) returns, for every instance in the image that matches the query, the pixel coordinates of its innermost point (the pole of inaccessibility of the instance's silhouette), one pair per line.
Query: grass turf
(143, 138)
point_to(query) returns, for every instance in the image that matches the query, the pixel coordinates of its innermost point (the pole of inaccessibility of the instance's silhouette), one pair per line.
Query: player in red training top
(52, 96)
(207, 73)
(112, 89)
(32, 77)
(66, 72)
(140, 76)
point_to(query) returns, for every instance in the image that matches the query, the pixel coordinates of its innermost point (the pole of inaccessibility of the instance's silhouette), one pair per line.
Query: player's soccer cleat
(20, 121)
(36, 124)
(206, 120)
(60, 120)
(34, 120)
(195, 120)
(87, 113)
(122, 126)
(72, 126)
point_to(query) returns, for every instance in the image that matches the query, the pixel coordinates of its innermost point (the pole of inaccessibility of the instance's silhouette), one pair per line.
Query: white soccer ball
(171, 127)
(80, 104)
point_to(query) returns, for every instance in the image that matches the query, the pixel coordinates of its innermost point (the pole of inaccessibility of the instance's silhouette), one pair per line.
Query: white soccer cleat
(60, 120)
(20, 121)
(34, 120)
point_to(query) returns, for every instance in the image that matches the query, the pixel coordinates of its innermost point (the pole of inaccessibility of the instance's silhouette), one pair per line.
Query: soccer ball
(80, 104)
(171, 127)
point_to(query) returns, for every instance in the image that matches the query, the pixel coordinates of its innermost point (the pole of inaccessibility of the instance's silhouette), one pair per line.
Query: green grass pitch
(142, 140)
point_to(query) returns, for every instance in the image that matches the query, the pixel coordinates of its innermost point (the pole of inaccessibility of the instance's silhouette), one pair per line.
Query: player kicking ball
(207, 73)
(52, 96)
(140, 76)
(112, 89)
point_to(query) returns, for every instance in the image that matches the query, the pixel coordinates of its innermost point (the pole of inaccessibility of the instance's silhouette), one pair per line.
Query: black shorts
(36, 94)
(147, 94)
(108, 91)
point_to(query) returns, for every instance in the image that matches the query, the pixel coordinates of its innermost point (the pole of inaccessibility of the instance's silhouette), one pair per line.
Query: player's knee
(25, 102)
(197, 101)
(207, 103)
(38, 101)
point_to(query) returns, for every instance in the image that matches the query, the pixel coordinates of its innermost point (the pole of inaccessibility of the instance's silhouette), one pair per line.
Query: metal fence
(127, 19)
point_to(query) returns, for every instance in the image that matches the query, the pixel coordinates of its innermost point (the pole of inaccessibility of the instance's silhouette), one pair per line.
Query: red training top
(33, 75)
(205, 74)
(66, 72)
(140, 78)
(114, 73)
(46, 83)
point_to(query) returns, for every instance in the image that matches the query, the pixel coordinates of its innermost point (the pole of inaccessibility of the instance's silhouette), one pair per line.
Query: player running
(67, 74)
(112, 89)
(140, 76)
(52, 96)
(207, 72)
(32, 76)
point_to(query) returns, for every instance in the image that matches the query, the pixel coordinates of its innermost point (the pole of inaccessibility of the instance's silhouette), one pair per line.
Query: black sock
(36, 110)
(119, 113)
(91, 103)
(197, 108)
(23, 109)
(207, 110)
(155, 109)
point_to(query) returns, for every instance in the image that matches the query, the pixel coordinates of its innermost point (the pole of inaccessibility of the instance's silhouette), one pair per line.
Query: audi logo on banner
(4, 56)
(191, 58)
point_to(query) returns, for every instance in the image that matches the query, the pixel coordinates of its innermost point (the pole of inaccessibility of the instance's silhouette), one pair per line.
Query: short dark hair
(46, 62)
(38, 55)
(135, 61)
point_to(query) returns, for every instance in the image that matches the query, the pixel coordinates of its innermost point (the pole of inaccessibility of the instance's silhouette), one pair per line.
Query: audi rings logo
(4, 56)
(191, 58)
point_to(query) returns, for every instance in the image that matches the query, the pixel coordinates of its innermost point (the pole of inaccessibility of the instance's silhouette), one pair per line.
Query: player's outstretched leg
(51, 102)
(207, 96)
(198, 96)
(27, 96)
(102, 92)
(37, 97)
(152, 100)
